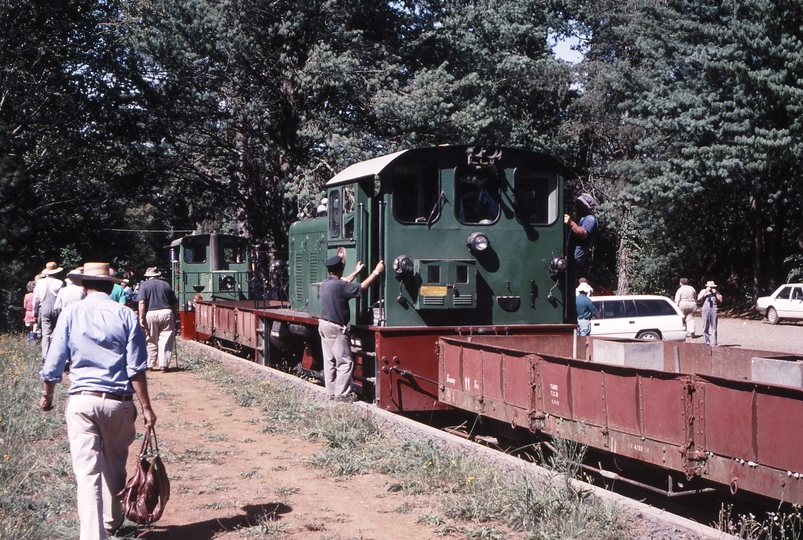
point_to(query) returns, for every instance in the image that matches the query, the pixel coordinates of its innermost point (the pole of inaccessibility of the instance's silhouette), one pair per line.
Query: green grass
(37, 487)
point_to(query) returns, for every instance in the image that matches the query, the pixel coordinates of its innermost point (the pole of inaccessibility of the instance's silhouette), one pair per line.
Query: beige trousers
(688, 309)
(337, 361)
(161, 336)
(100, 431)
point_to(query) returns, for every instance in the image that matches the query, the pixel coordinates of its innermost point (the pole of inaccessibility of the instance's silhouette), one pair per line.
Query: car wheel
(772, 316)
(649, 334)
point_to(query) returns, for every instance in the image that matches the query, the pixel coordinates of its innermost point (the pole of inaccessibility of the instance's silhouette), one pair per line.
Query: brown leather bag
(145, 495)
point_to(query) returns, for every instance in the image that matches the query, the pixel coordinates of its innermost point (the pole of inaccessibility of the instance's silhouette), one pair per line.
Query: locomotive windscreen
(415, 192)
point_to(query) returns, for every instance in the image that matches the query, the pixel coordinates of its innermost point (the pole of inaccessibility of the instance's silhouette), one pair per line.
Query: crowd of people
(51, 292)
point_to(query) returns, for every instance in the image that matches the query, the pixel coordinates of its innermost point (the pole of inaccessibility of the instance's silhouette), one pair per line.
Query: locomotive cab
(467, 233)
(210, 267)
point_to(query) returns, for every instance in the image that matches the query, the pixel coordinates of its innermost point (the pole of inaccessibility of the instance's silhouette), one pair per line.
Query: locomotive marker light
(557, 265)
(477, 241)
(402, 266)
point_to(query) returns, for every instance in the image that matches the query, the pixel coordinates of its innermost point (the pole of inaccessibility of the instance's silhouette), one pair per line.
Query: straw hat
(51, 268)
(585, 288)
(93, 271)
(152, 271)
(711, 284)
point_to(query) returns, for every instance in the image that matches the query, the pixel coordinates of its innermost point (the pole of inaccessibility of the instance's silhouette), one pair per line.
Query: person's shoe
(351, 397)
(155, 368)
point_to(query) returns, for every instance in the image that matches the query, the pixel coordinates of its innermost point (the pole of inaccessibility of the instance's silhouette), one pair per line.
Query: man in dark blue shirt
(581, 234)
(333, 325)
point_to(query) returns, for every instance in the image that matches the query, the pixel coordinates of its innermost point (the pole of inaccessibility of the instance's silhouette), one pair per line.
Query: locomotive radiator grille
(299, 275)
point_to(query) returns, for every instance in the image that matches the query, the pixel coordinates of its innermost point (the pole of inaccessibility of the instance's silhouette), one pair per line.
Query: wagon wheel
(772, 316)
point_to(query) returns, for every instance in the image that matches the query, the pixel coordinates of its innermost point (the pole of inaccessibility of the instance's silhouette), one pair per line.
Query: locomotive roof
(179, 241)
(376, 165)
(364, 168)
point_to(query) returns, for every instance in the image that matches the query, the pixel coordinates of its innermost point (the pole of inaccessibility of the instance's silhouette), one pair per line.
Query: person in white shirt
(686, 299)
(70, 293)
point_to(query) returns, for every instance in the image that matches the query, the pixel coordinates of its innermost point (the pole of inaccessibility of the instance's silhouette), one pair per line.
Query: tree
(258, 103)
(67, 139)
(712, 89)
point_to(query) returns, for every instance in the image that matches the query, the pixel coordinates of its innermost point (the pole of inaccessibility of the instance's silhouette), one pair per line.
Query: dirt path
(226, 474)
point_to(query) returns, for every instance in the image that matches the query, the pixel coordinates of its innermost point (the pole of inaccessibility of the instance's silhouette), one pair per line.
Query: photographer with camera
(711, 299)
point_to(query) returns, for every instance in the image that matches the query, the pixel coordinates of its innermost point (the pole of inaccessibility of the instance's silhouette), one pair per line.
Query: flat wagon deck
(728, 416)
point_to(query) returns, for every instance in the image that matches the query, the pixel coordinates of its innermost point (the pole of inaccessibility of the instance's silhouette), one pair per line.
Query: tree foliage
(712, 91)
(121, 119)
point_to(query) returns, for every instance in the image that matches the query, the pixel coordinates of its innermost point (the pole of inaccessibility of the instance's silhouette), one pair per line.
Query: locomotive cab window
(416, 190)
(194, 254)
(234, 254)
(477, 197)
(335, 210)
(341, 212)
(536, 193)
(348, 212)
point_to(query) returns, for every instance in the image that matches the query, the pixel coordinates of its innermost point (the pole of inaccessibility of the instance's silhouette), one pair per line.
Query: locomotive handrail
(381, 257)
(361, 300)
(437, 207)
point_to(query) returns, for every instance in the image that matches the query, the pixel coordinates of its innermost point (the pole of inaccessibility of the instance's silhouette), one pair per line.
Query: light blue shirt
(104, 342)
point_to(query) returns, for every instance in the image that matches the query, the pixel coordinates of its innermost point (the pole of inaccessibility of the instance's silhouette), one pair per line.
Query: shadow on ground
(205, 530)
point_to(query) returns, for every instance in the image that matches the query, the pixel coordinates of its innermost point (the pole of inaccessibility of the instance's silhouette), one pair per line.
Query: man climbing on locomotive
(336, 291)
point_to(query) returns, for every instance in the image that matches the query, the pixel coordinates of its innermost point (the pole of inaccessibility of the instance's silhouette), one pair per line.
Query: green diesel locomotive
(472, 238)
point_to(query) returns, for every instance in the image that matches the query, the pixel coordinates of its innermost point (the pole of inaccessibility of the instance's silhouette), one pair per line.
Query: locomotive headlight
(477, 241)
(558, 264)
(402, 265)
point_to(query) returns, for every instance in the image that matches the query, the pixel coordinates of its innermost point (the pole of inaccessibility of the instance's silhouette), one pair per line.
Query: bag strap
(147, 443)
(155, 448)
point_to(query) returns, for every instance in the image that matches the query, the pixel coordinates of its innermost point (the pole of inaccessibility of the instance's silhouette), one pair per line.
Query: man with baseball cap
(333, 325)
(581, 235)
(106, 345)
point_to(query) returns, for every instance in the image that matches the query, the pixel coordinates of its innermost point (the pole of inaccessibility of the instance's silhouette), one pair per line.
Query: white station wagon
(785, 303)
(638, 316)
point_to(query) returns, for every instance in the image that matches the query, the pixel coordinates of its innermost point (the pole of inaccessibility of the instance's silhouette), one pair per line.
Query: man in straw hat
(44, 302)
(107, 348)
(158, 308)
(711, 299)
